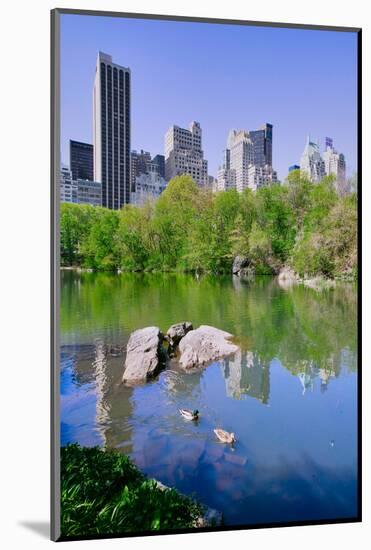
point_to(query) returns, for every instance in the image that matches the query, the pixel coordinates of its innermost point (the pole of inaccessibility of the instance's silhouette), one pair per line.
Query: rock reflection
(246, 373)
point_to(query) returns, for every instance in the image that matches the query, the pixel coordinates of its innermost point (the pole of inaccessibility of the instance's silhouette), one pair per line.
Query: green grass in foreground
(103, 493)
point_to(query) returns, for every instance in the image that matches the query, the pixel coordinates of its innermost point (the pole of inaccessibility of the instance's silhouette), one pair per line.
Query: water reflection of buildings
(102, 416)
(310, 372)
(101, 365)
(246, 374)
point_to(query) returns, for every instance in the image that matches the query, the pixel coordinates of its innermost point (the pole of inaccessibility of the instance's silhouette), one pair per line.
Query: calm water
(290, 395)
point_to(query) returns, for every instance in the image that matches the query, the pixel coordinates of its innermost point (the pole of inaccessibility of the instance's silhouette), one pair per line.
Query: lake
(290, 394)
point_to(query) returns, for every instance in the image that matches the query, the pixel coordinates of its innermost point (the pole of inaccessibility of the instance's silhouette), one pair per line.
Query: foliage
(102, 492)
(309, 227)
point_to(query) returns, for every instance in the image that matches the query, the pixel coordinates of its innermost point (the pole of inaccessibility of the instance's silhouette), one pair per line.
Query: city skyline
(302, 82)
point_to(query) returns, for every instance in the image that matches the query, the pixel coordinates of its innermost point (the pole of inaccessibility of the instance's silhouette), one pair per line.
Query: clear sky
(224, 76)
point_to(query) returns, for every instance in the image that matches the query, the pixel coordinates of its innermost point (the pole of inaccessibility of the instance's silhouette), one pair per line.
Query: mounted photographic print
(206, 186)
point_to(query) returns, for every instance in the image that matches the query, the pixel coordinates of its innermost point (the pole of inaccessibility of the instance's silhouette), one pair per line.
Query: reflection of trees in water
(293, 324)
(246, 373)
(310, 371)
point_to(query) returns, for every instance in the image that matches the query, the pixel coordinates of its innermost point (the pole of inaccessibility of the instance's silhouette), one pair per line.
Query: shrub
(102, 492)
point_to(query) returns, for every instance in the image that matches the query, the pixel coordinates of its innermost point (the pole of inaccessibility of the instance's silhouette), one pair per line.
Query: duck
(225, 437)
(188, 414)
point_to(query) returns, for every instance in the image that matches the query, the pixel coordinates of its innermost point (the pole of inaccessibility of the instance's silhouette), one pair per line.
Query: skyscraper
(247, 160)
(81, 160)
(111, 128)
(184, 154)
(241, 150)
(311, 162)
(262, 140)
(334, 164)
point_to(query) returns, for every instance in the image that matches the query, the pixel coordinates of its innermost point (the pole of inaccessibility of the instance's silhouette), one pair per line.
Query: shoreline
(311, 282)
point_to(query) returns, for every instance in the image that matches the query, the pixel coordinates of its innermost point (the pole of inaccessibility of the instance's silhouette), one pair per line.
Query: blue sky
(302, 81)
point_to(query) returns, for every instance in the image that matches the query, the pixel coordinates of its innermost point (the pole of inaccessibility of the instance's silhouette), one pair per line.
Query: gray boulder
(176, 333)
(239, 263)
(144, 355)
(204, 345)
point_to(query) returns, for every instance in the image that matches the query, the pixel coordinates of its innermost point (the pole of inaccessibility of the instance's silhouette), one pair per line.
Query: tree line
(306, 226)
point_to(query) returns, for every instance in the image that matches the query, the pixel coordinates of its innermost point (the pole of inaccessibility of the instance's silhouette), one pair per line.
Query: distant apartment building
(212, 183)
(247, 160)
(68, 187)
(81, 160)
(294, 167)
(89, 192)
(226, 176)
(138, 165)
(259, 176)
(311, 162)
(241, 150)
(111, 130)
(148, 187)
(143, 163)
(184, 154)
(334, 164)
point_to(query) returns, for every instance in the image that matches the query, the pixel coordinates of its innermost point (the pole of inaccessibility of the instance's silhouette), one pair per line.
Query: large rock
(239, 263)
(204, 345)
(176, 333)
(144, 355)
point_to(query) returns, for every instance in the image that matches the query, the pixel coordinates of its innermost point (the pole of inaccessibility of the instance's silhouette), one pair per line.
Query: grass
(103, 493)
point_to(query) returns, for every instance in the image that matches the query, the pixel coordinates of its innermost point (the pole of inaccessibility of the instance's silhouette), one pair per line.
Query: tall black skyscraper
(111, 128)
(262, 141)
(81, 160)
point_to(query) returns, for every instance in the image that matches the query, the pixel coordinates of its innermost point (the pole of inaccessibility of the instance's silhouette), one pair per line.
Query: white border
(24, 215)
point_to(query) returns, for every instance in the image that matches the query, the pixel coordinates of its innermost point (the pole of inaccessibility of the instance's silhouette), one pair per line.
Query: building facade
(334, 164)
(247, 161)
(241, 150)
(89, 192)
(143, 163)
(159, 162)
(68, 187)
(138, 165)
(226, 177)
(81, 160)
(262, 140)
(260, 176)
(311, 162)
(112, 130)
(148, 187)
(184, 154)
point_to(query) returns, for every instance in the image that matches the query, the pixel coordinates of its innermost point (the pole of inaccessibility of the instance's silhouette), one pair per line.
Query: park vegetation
(308, 227)
(103, 493)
